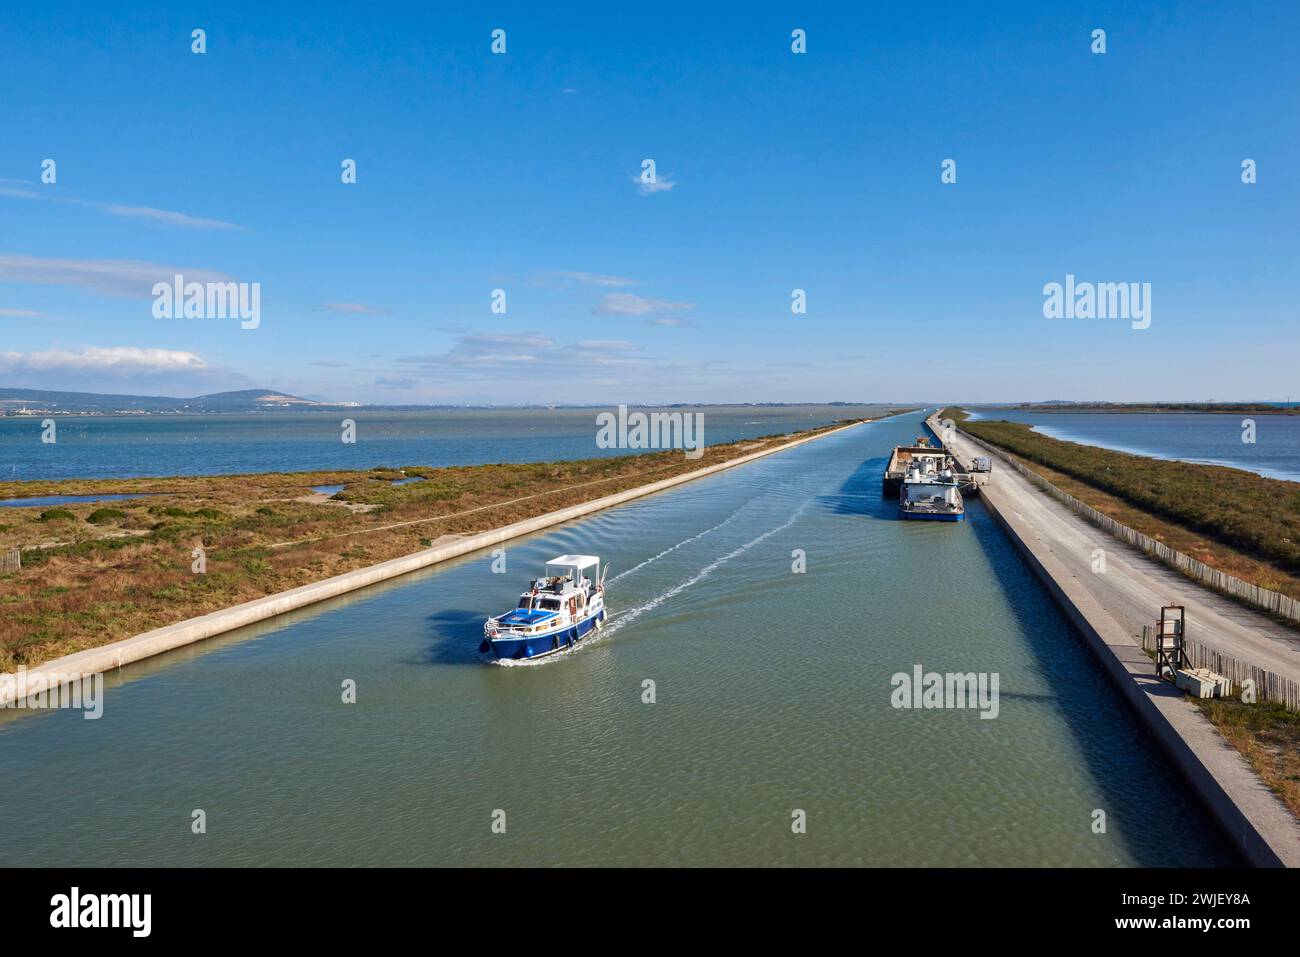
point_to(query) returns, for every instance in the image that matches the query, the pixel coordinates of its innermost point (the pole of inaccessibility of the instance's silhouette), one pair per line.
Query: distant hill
(245, 400)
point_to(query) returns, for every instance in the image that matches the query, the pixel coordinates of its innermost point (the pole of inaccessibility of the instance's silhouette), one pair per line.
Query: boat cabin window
(526, 603)
(549, 604)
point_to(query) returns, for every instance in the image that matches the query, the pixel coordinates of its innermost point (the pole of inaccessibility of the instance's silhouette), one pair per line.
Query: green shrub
(101, 515)
(57, 515)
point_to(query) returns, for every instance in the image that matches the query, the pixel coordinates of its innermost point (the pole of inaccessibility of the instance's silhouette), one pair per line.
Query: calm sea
(162, 445)
(1208, 438)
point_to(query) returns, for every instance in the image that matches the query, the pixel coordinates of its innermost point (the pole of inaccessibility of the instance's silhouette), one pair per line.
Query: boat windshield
(526, 603)
(549, 604)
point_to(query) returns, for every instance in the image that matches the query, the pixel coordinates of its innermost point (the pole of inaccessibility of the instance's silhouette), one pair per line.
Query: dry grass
(1268, 736)
(1186, 540)
(87, 584)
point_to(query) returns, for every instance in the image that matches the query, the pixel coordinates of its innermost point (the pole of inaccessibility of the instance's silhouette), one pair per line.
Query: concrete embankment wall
(119, 653)
(1256, 822)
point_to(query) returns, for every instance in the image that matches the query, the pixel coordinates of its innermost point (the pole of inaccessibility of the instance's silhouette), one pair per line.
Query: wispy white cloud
(662, 184)
(680, 321)
(515, 363)
(120, 360)
(356, 308)
(553, 277)
(608, 345)
(165, 216)
(526, 340)
(484, 349)
(114, 277)
(629, 304)
(22, 314)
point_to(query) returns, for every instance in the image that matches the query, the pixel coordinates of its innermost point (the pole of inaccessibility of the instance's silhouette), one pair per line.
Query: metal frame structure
(1171, 628)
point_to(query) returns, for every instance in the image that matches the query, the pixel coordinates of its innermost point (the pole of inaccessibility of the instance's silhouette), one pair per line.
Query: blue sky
(818, 171)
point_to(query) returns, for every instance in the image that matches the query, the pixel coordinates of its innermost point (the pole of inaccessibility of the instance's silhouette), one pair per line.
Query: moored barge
(904, 457)
(931, 494)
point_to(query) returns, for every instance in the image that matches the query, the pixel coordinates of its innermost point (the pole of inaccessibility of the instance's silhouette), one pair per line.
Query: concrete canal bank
(1109, 609)
(169, 637)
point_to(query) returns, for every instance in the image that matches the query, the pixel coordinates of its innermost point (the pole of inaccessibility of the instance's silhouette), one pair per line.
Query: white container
(1201, 683)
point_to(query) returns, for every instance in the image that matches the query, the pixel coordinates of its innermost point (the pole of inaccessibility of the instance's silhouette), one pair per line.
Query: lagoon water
(126, 446)
(772, 693)
(1209, 438)
(44, 501)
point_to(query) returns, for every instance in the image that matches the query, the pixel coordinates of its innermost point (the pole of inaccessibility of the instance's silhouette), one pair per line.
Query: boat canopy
(574, 561)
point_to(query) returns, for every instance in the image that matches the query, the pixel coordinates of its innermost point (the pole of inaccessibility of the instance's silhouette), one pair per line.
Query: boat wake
(617, 620)
(538, 662)
(673, 548)
(631, 614)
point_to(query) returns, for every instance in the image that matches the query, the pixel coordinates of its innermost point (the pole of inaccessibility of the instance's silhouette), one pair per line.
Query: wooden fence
(1271, 601)
(11, 560)
(1269, 686)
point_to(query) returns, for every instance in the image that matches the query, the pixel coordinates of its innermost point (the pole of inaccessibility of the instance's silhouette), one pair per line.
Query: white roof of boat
(575, 561)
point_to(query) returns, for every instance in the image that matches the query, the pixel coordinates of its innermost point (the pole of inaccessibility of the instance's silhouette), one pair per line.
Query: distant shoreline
(1227, 408)
(33, 403)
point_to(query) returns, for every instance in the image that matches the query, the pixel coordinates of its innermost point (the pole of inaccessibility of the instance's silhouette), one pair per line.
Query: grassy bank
(1221, 408)
(1236, 521)
(95, 573)
(1268, 736)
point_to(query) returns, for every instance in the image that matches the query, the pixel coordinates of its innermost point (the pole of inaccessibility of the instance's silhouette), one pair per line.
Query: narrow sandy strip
(1058, 545)
(159, 640)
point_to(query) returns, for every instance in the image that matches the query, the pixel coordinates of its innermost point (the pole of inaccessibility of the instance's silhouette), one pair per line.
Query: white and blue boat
(557, 611)
(930, 493)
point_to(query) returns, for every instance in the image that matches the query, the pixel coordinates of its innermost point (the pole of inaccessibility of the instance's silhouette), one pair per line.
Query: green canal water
(772, 693)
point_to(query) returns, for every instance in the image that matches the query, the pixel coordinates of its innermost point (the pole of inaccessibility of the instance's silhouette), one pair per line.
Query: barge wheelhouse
(931, 494)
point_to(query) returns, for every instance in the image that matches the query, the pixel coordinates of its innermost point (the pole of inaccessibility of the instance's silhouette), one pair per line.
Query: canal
(772, 694)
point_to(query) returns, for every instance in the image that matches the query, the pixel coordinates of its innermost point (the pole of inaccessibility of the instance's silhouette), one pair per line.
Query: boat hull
(528, 647)
(933, 516)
